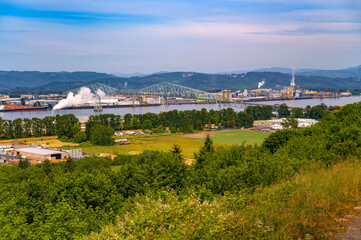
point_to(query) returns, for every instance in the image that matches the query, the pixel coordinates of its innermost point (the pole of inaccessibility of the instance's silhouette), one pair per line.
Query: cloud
(121, 36)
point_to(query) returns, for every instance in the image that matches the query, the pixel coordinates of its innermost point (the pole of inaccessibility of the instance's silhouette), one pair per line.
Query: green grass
(163, 142)
(238, 137)
(141, 143)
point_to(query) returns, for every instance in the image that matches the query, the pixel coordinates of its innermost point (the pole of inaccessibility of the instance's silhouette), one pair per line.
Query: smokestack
(293, 84)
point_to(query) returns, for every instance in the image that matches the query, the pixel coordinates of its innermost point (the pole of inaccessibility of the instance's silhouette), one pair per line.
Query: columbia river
(83, 114)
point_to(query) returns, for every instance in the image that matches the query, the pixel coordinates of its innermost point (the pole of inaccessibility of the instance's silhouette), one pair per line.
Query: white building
(302, 122)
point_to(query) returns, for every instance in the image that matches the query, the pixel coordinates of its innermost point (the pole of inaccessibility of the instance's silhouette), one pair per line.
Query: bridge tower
(164, 104)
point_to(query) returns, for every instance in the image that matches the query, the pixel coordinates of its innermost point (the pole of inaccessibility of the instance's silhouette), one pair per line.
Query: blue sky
(178, 35)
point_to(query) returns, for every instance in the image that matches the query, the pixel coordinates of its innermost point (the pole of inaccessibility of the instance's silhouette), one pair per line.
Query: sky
(178, 35)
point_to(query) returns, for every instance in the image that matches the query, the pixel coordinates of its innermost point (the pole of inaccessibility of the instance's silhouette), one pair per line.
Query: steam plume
(100, 93)
(260, 84)
(83, 96)
(293, 84)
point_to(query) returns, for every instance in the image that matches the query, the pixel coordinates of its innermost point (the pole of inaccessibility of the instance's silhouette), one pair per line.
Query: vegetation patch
(238, 137)
(309, 207)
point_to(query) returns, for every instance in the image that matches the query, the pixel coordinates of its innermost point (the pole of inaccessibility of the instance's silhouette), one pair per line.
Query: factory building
(227, 95)
(39, 155)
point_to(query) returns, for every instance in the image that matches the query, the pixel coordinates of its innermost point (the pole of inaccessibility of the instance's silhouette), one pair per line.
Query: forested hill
(241, 81)
(354, 72)
(209, 82)
(59, 82)
(28, 79)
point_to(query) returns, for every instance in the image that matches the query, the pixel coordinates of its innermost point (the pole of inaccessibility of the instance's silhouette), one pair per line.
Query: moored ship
(17, 108)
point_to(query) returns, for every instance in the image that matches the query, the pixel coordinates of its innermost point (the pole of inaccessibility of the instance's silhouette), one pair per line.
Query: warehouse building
(39, 155)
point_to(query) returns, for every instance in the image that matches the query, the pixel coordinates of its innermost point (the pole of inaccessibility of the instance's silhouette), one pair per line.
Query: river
(316, 101)
(83, 114)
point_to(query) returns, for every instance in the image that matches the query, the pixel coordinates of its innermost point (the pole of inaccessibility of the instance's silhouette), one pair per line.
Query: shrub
(101, 135)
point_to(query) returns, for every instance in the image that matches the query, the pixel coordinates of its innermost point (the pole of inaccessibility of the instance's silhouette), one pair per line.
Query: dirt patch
(189, 161)
(211, 134)
(353, 231)
(134, 152)
(230, 134)
(199, 135)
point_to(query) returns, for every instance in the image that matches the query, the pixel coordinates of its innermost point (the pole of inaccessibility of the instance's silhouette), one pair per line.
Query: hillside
(354, 72)
(210, 82)
(37, 82)
(31, 79)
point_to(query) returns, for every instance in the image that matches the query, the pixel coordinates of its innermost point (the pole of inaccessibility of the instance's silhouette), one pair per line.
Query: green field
(189, 143)
(238, 137)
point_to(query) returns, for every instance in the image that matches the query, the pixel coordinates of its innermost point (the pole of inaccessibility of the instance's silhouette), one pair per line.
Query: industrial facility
(10, 153)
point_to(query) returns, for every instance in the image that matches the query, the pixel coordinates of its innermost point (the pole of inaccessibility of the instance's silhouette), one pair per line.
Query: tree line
(176, 121)
(63, 126)
(67, 127)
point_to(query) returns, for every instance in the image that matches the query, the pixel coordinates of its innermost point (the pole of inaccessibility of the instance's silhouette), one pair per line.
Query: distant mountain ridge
(206, 82)
(128, 75)
(28, 79)
(45, 82)
(352, 72)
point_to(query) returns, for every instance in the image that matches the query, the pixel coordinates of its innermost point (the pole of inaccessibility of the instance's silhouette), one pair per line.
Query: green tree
(206, 150)
(22, 100)
(317, 112)
(47, 167)
(176, 151)
(290, 122)
(244, 120)
(23, 163)
(283, 111)
(80, 137)
(147, 125)
(297, 112)
(101, 135)
(69, 165)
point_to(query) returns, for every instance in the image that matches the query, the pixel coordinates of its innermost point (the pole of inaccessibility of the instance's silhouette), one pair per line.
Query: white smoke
(100, 93)
(260, 84)
(293, 84)
(84, 95)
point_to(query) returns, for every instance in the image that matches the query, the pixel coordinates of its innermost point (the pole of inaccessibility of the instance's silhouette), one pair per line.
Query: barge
(17, 108)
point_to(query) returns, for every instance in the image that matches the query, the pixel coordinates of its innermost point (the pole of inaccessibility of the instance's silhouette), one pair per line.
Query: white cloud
(323, 38)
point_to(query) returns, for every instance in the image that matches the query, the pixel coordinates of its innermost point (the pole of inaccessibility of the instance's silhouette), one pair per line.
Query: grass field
(53, 143)
(142, 143)
(29, 139)
(238, 137)
(189, 143)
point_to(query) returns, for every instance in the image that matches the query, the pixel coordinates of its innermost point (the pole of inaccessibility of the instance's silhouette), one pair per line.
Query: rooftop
(39, 151)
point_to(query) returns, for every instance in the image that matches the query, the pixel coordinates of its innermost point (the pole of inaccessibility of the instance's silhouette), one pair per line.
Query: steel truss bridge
(94, 87)
(164, 90)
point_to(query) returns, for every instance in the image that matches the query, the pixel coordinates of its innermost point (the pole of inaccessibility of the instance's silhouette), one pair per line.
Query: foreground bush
(307, 207)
